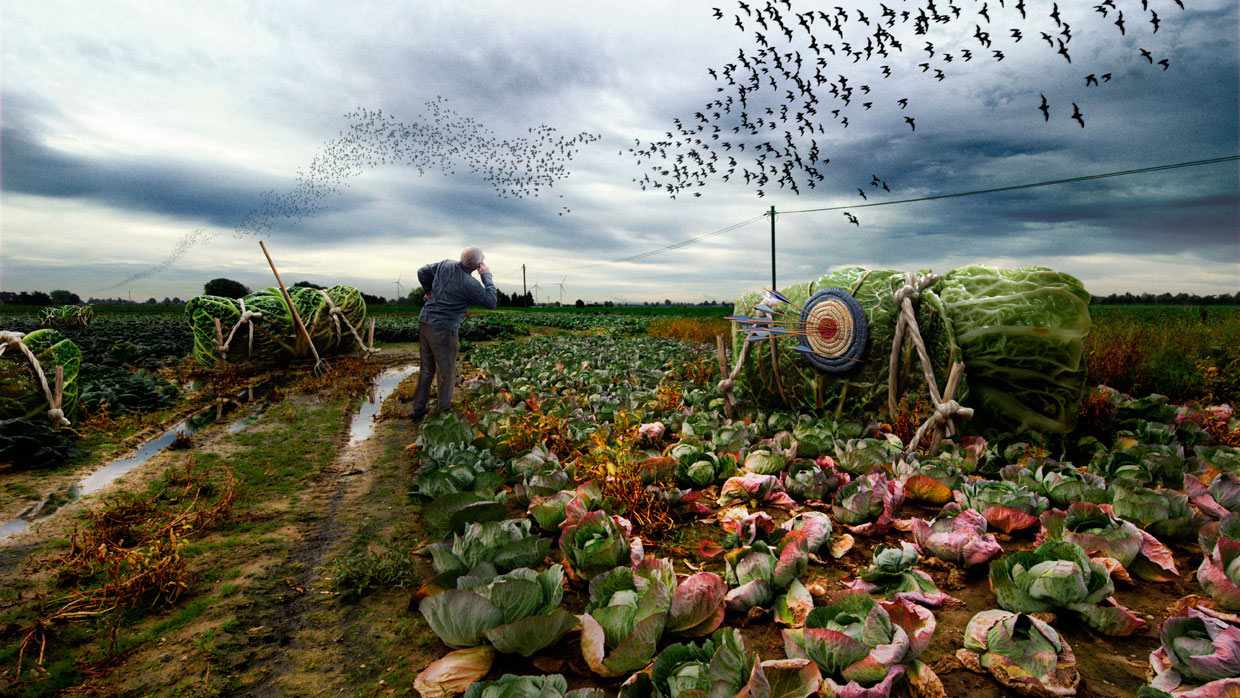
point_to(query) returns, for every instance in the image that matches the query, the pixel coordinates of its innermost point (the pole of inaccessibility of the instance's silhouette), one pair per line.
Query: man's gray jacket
(452, 290)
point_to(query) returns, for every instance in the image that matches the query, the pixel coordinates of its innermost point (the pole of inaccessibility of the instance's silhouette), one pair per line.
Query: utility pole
(773, 286)
(523, 289)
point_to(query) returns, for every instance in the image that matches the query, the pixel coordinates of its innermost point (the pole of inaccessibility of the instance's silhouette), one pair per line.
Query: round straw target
(835, 330)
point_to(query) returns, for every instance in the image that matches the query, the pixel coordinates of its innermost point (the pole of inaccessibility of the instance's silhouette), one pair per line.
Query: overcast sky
(132, 130)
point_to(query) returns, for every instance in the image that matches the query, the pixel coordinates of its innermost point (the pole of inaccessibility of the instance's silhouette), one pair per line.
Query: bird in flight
(1076, 114)
(1046, 109)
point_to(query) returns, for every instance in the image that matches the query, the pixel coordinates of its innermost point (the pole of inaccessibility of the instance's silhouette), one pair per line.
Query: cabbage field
(589, 521)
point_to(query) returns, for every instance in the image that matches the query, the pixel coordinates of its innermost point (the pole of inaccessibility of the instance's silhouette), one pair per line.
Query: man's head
(471, 257)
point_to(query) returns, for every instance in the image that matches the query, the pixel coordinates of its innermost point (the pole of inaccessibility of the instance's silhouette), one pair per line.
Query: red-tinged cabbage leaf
(861, 646)
(550, 511)
(626, 616)
(1007, 506)
(1219, 573)
(817, 527)
(754, 489)
(893, 574)
(1097, 531)
(929, 480)
(758, 572)
(957, 535)
(1021, 652)
(867, 504)
(1199, 655)
(1218, 499)
(697, 605)
(1059, 574)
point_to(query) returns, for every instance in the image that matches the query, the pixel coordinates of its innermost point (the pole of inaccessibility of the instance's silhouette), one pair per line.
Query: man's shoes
(418, 414)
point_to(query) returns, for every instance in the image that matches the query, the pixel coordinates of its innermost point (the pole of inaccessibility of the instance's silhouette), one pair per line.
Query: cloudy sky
(135, 133)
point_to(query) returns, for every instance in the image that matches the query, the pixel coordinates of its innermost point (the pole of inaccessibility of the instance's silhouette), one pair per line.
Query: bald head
(471, 257)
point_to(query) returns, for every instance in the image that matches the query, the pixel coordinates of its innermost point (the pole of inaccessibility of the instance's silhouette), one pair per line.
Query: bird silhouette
(800, 73)
(1076, 114)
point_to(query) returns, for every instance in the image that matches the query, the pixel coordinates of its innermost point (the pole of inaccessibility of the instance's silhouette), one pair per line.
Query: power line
(1014, 187)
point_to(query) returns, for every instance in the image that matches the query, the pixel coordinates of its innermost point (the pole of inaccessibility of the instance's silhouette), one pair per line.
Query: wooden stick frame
(319, 364)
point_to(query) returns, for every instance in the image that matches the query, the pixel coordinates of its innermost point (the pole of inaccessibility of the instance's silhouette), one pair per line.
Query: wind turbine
(534, 288)
(397, 282)
(561, 285)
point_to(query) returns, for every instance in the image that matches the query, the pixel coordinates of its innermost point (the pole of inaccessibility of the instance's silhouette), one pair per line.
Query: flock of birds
(443, 140)
(767, 122)
(807, 72)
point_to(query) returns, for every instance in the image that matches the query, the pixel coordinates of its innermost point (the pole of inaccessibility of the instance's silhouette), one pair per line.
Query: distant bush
(690, 329)
(1178, 352)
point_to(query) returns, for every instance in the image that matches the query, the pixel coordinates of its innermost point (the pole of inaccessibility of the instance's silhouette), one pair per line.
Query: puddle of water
(105, 475)
(362, 427)
(363, 424)
(13, 527)
(246, 422)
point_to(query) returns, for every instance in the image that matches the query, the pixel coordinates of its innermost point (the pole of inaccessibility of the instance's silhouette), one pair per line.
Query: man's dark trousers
(437, 353)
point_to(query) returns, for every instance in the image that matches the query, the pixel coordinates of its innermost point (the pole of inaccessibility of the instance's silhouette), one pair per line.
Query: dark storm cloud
(206, 192)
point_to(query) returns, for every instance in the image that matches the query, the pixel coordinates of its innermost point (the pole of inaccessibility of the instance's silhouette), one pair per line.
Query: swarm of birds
(443, 140)
(803, 73)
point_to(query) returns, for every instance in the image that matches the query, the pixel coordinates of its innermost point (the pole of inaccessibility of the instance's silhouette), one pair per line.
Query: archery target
(835, 328)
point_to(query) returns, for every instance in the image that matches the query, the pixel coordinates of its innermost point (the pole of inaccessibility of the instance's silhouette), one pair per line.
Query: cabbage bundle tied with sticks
(827, 345)
(260, 326)
(21, 392)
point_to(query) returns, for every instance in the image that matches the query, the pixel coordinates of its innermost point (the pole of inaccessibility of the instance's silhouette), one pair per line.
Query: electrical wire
(1014, 187)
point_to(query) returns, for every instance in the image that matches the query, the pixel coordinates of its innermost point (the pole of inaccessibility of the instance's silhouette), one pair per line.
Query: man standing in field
(450, 290)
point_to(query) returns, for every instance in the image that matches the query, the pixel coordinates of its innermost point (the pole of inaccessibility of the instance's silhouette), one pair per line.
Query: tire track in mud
(292, 587)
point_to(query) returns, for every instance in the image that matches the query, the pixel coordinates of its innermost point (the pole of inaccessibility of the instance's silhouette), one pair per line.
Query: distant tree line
(229, 288)
(1167, 299)
(62, 297)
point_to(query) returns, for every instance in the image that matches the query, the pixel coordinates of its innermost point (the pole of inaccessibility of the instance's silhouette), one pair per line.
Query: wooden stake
(287, 299)
(219, 342)
(60, 386)
(371, 337)
(723, 372)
